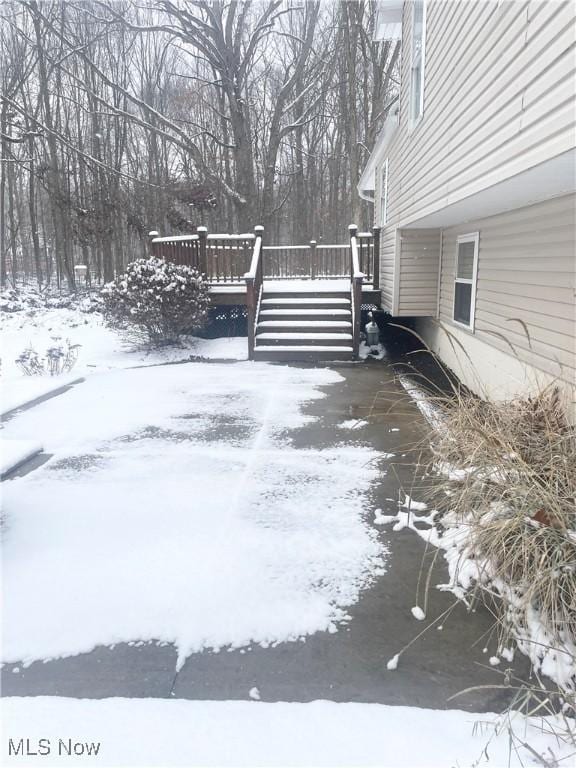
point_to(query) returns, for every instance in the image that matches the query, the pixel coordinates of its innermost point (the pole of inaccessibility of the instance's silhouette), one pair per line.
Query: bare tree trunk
(61, 246)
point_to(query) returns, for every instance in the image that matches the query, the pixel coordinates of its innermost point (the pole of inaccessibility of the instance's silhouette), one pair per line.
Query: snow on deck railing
(243, 236)
(184, 238)
(305, 247)
(174, 239)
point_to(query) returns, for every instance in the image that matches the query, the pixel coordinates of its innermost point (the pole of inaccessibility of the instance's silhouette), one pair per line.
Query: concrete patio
(347, 665)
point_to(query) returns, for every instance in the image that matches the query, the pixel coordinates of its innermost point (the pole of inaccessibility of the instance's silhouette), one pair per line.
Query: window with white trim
(465, 280)
(417, 60)
(384, 194)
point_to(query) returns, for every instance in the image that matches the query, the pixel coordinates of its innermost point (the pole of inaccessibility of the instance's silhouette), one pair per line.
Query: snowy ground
(137, 732)
(16, 452)
(175, 508)
(101, 349)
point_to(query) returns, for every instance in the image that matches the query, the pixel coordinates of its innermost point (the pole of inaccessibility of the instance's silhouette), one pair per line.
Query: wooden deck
(229, 294)
(303, 302)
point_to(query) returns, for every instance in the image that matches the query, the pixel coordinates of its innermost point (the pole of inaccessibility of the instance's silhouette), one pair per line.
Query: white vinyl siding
(418, 258)
(499, 100)
(525, 303)
(466, 270)
(387, 251)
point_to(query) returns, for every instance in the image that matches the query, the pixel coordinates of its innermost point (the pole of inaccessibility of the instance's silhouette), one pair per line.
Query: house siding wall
(498, 100)
(525, 300)
(419, 255)
(387, 255)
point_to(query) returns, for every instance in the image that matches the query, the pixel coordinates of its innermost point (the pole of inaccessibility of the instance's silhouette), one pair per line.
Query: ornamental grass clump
(156, 301)
(59, 358)
(505, 477)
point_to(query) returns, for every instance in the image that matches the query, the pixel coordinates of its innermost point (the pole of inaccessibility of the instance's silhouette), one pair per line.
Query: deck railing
(227, 258)
(222, 258)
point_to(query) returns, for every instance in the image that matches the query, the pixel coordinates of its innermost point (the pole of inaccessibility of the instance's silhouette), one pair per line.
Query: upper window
(417, 60)
(465, 280)
(384, 195)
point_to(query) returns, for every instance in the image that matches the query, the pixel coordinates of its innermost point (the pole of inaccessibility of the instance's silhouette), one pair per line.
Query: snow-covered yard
(101, 349)
(176, 508)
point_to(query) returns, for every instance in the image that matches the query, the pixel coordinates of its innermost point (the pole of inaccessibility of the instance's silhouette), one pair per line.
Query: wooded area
(118, 118)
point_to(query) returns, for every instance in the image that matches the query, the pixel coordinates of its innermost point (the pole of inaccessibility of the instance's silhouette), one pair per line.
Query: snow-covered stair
(304, 323)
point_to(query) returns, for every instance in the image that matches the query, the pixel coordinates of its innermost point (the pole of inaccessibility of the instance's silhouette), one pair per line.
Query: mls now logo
(42, 747)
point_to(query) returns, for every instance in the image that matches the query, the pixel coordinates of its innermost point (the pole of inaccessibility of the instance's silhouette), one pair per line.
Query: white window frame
(417, 110)
(384, 194)
(471, 237)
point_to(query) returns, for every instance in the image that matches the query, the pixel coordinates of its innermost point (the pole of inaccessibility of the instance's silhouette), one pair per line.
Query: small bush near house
(59, 358)
(504, 485)
(156, 301)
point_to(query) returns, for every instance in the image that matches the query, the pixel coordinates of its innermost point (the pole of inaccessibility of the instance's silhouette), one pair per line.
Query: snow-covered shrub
(12, 300)
(30, 300)
(156, 301)
(59, 358)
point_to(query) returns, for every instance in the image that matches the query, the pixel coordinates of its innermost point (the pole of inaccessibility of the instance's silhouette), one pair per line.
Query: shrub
(156, 301)
(507, 486)
(59, 358)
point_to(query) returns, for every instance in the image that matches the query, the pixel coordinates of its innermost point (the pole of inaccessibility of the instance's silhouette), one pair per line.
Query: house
(473, 182)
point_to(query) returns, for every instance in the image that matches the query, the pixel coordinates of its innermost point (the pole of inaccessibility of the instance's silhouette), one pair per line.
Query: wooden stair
(307, 325)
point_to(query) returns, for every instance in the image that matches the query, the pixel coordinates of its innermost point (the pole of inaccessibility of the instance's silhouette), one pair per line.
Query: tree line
(117, 118)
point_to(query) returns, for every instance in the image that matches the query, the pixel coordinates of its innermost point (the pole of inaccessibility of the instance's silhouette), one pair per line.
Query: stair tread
(301, 348)
(311, 300)
(296, 312)
(305, 285)
(304, 336)
(304, 324)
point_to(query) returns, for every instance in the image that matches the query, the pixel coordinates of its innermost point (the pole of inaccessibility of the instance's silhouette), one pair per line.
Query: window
(417, 60)
(384, 195)
(465, 280)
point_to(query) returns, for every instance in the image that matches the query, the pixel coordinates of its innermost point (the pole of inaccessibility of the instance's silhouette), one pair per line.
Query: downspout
(366, 196)
(439, 288)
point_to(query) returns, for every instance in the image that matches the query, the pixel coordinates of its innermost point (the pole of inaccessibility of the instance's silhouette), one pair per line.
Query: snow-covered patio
(206, 530)
(175, 509)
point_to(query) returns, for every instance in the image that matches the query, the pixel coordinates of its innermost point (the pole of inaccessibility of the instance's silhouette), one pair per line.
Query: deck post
(254, 279)
(376, 257)
(202, 237)
(313, 257)
(259, 233)
(151, 235)
(250, 315)
(356, 280)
